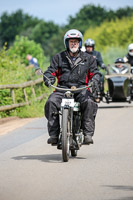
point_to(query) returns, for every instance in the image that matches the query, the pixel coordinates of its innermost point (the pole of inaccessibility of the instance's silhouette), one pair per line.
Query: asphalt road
(30, 169)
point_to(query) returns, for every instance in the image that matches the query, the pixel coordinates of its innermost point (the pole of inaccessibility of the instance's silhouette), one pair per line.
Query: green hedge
(13, 70)
(112, 38)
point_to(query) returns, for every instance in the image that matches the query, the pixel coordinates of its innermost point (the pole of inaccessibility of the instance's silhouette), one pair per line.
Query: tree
(23, 46)
(124, 12)
(92, 16)
(42, 34)
(89, 15)
(116, 33)
(56, 43)
(13, 24)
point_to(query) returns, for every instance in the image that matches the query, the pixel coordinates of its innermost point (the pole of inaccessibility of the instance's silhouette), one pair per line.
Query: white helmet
(89, 42)
(130, 47)
(73, 34)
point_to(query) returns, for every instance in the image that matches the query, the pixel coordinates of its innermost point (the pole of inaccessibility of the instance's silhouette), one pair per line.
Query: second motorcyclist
(90, 49)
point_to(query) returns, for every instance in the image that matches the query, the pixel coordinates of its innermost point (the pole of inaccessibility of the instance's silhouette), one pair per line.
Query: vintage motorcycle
(71, 134)
(119, 83)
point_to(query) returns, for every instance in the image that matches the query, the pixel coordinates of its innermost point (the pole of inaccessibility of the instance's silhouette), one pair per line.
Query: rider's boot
(53, 140)
(88, 139)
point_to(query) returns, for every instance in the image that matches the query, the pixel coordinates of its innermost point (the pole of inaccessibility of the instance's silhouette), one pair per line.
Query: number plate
(67, 102)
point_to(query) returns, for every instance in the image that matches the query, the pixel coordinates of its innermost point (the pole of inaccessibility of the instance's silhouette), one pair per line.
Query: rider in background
(90, 49)
(129, 57)
(120, 67)
(72, 67)
(32, 61)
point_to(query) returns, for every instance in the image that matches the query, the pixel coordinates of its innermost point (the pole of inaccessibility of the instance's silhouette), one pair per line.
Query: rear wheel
(65, 135)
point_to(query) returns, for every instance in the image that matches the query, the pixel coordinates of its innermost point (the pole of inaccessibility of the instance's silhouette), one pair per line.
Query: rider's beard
(74, 49)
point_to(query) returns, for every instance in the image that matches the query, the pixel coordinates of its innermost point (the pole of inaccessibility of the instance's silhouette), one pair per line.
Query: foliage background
(22, 34)
(112, 38)
(14, 70)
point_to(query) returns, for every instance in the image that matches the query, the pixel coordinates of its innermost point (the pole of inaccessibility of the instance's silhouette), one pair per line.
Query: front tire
(65, 135)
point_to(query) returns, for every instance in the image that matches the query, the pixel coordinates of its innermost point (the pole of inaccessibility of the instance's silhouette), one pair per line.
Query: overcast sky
(57, 10)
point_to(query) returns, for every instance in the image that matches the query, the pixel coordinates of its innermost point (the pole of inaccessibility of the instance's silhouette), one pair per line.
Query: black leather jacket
(71, 72)
(98, 57)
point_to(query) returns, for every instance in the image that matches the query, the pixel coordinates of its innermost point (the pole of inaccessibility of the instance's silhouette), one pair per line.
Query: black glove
(96, 86)
(96, 91)
(48, 82)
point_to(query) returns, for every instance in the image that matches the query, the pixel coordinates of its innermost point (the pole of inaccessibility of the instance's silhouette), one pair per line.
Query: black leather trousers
(88, 112)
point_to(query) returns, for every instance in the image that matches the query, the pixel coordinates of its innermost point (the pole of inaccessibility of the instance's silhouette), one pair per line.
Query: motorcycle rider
(72, 67)
(90, 49)
(32, 61)
(120, 67)
(129, 57)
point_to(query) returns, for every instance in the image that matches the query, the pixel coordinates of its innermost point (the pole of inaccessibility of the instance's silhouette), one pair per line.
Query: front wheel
(65, 135)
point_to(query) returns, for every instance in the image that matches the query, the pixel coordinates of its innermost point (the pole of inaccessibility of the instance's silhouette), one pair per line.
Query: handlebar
(71, 89)
(40, 72)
